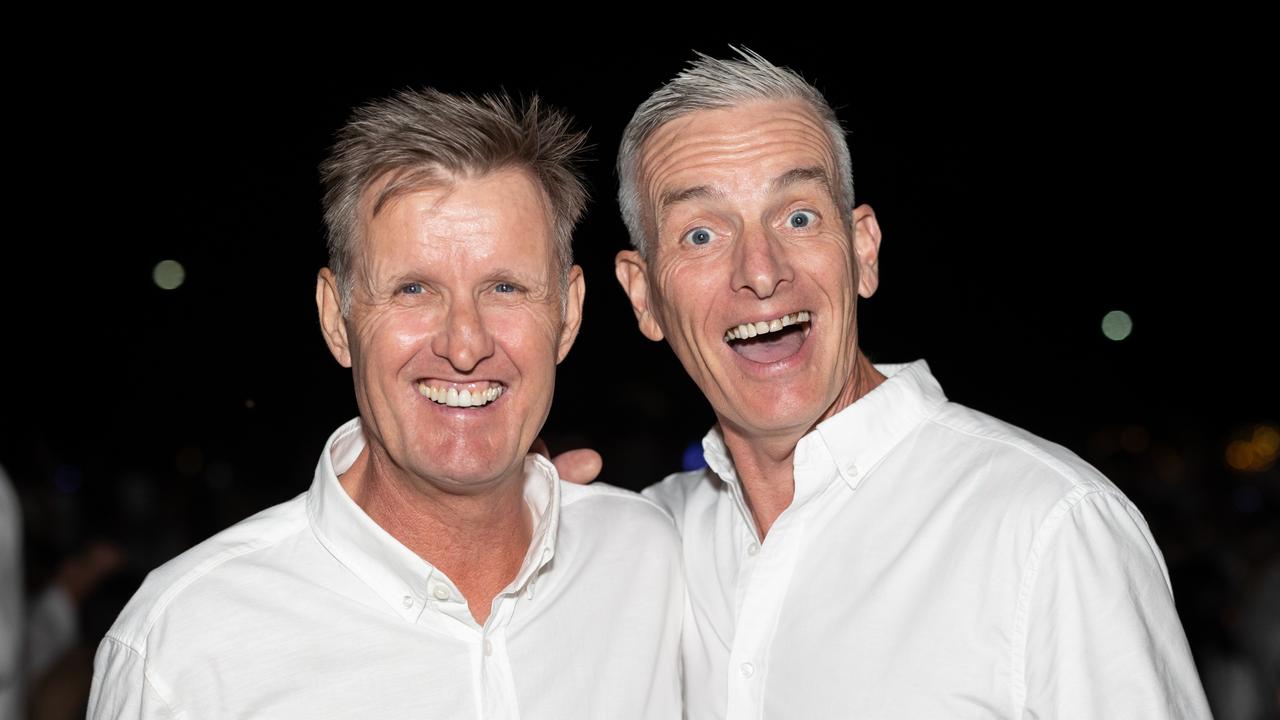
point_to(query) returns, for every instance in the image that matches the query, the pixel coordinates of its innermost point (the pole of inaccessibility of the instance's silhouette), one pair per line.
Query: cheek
(834, 248)
(833, 267)
(683, 293)
(393, 339)
(529, 335)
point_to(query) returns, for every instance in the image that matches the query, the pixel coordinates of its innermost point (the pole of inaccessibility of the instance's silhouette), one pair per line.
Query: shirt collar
(393, 571)
(854, 440)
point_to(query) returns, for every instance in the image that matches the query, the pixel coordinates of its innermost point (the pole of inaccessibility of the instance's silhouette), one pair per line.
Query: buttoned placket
(421, 594)
(495, 683)
(491, 675)
(765, 577)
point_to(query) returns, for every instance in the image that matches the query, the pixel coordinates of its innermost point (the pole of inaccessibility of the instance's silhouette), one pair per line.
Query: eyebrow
(799, 176)
(795, 176)
(677, 196)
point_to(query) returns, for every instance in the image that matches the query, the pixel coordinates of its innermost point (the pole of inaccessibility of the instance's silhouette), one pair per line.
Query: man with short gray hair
(435, 569)
(859, 545)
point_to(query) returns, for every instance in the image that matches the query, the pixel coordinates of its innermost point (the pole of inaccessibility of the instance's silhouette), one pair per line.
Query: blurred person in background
(11, 616)
(44, 672)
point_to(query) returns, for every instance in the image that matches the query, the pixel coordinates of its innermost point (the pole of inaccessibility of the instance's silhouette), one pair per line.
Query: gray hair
(422, 137)
(709, 83)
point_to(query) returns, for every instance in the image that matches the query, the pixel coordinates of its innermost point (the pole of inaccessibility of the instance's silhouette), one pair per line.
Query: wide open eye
(699, 236)
(801, 219)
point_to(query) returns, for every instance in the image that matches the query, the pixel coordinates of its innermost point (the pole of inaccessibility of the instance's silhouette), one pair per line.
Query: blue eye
(504, 287)
(801, 219)
(412, 289)
(699, 236)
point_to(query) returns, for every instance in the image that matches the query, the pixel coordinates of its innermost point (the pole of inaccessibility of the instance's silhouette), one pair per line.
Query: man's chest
(848, 609)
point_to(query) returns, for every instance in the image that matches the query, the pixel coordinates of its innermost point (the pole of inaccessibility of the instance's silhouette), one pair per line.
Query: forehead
(500, 210)
(736, 148)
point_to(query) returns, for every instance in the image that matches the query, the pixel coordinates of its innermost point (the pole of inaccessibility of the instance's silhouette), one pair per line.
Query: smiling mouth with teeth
(769, 341)
(451, 396)
(750, 330)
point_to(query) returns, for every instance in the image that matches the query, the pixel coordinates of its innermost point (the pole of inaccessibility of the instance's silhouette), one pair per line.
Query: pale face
(753, 275)
(455, 329)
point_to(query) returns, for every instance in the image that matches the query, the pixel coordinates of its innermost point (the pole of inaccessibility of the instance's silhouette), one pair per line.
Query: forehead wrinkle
(800, 176)
(710, 154)
(692, 149)
(669, 138)
(674, 197)
(714, 164)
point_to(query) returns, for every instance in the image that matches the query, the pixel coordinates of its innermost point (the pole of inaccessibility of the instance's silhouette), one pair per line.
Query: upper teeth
(466, 398)
(750, 330)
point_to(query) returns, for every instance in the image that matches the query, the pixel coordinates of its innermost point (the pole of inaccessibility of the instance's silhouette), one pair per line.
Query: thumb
(579, 466)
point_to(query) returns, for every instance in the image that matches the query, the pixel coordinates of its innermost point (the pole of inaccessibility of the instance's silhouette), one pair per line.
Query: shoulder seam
(116, 639)
(158, 686)
(1031, 569)
(199, 571)
(1027, 448)
(621, 494)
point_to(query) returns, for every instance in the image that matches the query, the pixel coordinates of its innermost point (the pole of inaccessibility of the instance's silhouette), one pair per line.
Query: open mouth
(467, 395)
(772, 340)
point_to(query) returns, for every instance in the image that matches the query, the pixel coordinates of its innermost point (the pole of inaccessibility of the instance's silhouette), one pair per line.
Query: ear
(866, 247)
(332, 324)
(632, 273)
(572, 312)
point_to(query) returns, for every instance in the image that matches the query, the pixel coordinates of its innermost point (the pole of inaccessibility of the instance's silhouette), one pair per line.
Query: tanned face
(456, 328)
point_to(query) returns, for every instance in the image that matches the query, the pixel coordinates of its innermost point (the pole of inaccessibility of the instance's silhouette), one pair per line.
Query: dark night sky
(1025, 187)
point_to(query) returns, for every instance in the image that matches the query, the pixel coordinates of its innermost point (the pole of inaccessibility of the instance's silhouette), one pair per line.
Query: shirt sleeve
(1103, 639)
(671, 494)
(122, 688)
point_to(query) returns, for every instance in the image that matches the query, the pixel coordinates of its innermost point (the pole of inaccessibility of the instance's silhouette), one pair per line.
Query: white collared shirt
(934, 563)
(311, 610)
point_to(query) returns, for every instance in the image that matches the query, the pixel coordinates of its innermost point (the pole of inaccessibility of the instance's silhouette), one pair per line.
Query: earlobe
(630, 269)
(577, 292)
(332, 324)
(866, 248)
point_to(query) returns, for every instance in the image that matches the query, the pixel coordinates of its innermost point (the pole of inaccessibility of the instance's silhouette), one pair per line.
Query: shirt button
(747, 669)
(407, 602)
(488, 648)
(753, 548)
(440, 592)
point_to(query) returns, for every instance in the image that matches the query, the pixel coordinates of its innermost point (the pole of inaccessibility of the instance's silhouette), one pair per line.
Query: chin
(466, 464)
(465, 479)
(779, 415)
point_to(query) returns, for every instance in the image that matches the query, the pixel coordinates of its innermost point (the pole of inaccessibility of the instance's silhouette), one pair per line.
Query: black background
(1027, 182)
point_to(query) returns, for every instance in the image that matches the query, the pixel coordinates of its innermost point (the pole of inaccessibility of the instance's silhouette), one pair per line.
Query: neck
(765, 463)
(478, 541)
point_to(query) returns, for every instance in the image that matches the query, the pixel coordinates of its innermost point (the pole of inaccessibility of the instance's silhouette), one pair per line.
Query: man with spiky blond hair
(435, 569)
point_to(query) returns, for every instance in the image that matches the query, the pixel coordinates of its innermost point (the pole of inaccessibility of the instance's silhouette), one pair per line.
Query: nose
(464, 341)
(760, 263)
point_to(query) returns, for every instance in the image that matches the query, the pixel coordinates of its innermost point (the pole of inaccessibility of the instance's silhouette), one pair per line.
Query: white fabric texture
(310, 609)
(935, 562)
(11, 617)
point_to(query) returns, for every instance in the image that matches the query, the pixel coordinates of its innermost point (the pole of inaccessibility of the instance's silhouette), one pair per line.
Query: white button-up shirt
(934, 563)
(311, 610)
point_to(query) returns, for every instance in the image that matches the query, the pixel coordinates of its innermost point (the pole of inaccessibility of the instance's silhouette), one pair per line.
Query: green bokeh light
(168, 274)
(1117, 325)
